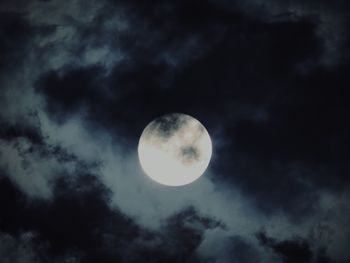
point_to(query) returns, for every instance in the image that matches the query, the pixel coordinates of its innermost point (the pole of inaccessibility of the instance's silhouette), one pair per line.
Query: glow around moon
(175, 149)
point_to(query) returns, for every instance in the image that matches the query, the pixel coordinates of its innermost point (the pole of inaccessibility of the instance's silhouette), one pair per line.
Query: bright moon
(174, 149)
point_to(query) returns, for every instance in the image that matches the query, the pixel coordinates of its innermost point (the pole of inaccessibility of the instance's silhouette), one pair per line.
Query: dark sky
(79, 81)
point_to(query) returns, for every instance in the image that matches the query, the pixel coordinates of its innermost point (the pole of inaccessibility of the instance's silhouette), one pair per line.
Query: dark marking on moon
(189, 154)
(165, 126)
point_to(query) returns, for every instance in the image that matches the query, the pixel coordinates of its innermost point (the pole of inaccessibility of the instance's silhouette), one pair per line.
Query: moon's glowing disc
(174, 149)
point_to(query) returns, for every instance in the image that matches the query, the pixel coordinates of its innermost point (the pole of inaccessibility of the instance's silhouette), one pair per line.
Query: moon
(174, 149)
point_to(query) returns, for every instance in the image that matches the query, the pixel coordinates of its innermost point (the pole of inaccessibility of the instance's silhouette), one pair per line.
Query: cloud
(43, 43)
(330, 20)
(294, 250)
(79, 217)
(150, 205)
(223, 247)
(81, 80)
(26, 248)
(27, 170)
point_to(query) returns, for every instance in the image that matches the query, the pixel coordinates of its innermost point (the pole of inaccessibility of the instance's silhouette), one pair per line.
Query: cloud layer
(80, 80)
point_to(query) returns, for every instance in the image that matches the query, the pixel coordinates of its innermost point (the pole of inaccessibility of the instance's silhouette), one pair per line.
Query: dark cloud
(294, 250)
(79, 221)
(10, 132)
(15, 33)
(290, 250)
(178, 239)
(242, 251)
(27, 247)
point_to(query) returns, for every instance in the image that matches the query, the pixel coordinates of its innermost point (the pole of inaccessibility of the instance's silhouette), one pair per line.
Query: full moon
(174, 149)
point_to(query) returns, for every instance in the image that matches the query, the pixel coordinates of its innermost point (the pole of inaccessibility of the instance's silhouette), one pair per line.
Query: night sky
(80, 80)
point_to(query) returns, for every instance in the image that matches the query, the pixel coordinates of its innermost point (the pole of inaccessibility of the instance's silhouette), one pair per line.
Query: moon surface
(174, 149)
